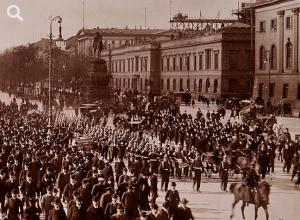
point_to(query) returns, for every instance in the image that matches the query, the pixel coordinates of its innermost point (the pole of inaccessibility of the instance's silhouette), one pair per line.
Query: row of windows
(197, 87)
(194, 62)
(135, 64)
(270, 56)
(272, 87)
(273, 24)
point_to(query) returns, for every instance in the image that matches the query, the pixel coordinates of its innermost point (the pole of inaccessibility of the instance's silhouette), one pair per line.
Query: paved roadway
(214, 204)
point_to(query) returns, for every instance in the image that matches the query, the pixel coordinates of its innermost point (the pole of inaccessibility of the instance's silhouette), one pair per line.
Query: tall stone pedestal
(98, 82)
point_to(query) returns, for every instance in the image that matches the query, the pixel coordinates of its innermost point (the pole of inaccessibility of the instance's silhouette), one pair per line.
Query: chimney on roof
(135, 27)
(126, 27)
(140, 27)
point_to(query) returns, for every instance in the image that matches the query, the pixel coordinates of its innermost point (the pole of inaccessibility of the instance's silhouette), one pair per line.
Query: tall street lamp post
(268, 60)
(59, 20)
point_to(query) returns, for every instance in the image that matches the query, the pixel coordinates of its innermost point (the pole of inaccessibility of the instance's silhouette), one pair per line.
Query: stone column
(296, 39)
(281, 39)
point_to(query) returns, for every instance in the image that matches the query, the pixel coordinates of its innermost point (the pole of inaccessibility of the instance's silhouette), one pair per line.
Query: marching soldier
(197, 168)
(224, 173)
(165, 167)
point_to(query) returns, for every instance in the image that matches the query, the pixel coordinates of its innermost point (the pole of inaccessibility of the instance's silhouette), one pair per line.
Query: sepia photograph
(149, 110)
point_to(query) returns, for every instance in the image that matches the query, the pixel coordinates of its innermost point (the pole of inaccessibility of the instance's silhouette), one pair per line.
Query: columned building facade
(277, 51)
(212, 65)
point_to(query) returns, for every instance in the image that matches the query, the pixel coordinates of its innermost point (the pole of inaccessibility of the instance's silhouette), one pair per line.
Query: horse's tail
(232, 186)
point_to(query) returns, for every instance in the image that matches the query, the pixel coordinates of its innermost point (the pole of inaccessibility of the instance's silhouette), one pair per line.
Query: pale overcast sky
(98, 13)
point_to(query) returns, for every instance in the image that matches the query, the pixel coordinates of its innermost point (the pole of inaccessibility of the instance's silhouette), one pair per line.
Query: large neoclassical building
(214, 64)
(277, 50)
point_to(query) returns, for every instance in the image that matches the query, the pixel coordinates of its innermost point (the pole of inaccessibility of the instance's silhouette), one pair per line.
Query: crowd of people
(83, 168)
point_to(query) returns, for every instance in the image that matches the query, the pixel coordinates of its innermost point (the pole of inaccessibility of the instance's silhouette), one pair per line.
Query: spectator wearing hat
(63, 178)
(111, 207)
(130, 202)
(183, 212)
(13, 206)
(47, 201)
(143, 191)
(95, 212)
(29, 189)
(11, 183)
(77, 212)
(33, 211)
(106, 197)
(57, 213)
(100, 188)
(120, 215)
(85, 193)
(3, 188)
(69, 189)
(172, 196)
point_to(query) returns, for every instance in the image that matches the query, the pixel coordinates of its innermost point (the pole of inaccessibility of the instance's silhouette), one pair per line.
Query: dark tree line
(25, 65)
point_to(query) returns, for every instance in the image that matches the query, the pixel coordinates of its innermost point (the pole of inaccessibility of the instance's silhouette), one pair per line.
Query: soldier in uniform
(197, 168)
(165, 167)
(224, 173)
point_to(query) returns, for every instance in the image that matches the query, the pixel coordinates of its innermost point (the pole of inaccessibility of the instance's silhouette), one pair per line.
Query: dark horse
(260, 198)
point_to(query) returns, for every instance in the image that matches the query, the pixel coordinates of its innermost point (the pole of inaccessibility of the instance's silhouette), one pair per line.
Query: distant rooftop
(122, 31)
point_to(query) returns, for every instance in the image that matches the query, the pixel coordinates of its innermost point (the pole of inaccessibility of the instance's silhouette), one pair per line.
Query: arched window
(124, 83)
(262, 58)
(195, 85)
(168, 84)
(181, 85)
(207, 85)
(174, 85)
(273, 57)
(128, 83)
(162, 84)
(188, 86)
(289, 54)
(200, 85)
(215, 86)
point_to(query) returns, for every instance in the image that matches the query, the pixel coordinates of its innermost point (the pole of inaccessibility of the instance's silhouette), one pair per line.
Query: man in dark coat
(106, 197)
(57, 213)
(76, 211)
(111, 207)
(94, 212)
(119, 168)
(47, 201)
(14, 206)
(130, 202)
(62, 179)
(172, 196)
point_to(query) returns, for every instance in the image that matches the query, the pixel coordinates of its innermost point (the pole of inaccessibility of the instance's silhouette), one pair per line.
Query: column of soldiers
(95, 183)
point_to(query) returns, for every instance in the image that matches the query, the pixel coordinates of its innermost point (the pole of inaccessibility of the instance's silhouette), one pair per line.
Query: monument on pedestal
(98, 80)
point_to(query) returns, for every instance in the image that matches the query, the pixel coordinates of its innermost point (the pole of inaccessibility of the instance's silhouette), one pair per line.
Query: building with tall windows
(277, 51)
(212, 64)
